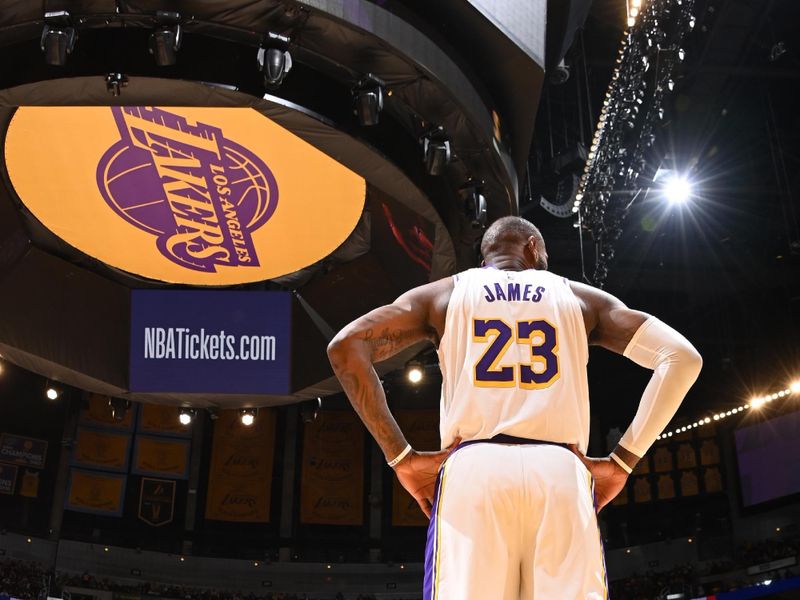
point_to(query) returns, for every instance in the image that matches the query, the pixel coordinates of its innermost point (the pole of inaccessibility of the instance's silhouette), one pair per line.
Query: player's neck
(508, 263)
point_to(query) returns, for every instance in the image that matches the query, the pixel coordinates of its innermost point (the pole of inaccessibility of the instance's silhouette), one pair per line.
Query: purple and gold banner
(97, 413)
(8, 478)
(421, 428)
(95, 492)
(160, 419)
(101, 450)
(23, 451)
(332, 491)
(193, 195)
(240, 478)
(157, 501)
(161, 457)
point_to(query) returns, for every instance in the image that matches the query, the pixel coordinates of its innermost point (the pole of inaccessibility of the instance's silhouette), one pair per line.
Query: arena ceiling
(725, 269)
(725, 272)
(342, 215)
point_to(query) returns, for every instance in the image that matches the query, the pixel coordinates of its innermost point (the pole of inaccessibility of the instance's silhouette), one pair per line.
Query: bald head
(510, 237)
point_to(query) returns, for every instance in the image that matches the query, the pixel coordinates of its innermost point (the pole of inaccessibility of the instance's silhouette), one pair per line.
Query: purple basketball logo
(200, 194)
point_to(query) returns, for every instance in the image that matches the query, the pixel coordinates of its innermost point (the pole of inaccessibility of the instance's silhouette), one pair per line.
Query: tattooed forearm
(386, 342)
(376, 336)
(365, 392)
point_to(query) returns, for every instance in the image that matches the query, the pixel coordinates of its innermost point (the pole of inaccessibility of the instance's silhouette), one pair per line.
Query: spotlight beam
(677, 189)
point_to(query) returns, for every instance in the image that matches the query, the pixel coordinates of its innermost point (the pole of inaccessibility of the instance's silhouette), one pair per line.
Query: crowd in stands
(31, 581)
(176, 592)
(22, 579)
(697, 582)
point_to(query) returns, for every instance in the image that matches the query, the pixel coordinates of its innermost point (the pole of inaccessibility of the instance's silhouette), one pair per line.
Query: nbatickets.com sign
(209, 193)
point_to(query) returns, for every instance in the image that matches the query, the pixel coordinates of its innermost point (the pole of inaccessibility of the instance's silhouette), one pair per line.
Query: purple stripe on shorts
(430, 544)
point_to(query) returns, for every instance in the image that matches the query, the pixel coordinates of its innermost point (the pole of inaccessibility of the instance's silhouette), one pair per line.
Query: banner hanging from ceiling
(101, 450)
(192, 195)
(332, 475)
(240, 475)
(22, 450)
(96, 492)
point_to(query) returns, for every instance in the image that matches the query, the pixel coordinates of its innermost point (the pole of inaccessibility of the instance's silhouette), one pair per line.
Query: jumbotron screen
(768, 454)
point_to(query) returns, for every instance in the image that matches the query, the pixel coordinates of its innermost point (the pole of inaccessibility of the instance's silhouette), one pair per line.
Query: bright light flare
(414, 374)
(794, 387)
(677, 190)
(248, 416)
(52, 393)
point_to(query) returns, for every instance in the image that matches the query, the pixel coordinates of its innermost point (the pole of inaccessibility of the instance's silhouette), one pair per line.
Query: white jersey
(513, 358)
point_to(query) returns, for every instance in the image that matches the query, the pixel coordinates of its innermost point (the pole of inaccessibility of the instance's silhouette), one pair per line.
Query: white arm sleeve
(675, 364)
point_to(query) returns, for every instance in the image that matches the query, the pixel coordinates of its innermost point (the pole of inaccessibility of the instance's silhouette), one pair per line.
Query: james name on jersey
(513, 292)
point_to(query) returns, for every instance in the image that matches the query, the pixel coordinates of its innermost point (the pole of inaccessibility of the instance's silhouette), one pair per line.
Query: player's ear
(532, 246)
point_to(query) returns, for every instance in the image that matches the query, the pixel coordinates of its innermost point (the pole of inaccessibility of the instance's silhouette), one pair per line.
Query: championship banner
(421, 428)
(23, 451)
(160, 419)
(332, 491)
(101, 450)
(95, 492)
(210, 341)
(161, 456)
(8, 478)
(97, 413)
(240, 477)
(157, 501)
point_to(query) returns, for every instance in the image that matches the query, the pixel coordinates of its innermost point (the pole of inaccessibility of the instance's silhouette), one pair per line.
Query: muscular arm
(609, 323)
(651, 344)
(415, 316)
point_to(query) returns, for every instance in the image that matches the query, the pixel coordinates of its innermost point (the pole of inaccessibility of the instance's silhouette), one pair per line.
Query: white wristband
(400, 456)
(621, 463)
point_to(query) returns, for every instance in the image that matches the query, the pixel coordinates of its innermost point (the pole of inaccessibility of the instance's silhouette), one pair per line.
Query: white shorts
(514, 522)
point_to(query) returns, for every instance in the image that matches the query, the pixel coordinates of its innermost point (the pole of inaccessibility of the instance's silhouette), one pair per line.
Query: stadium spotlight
(677, 189)
(248, 416)
(794, 387)
(165, 41)
(52, 391)
(186, 416)
(474, 205)
(58, 37)
(274, 61)
(415, 372)
(435, 151)
(119, 408)
(368, 97)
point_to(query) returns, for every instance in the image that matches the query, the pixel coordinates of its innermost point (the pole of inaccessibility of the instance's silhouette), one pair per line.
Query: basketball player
(513, 508)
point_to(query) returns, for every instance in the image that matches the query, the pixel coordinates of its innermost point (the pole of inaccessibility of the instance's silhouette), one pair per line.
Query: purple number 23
(539, 336)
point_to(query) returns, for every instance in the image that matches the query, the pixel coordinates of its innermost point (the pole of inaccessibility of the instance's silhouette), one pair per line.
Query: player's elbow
(337, 348)
(691, 361)
(340, 349)
(696, 361)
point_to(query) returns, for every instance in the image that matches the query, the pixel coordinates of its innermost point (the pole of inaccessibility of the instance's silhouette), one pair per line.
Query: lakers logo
(198, 193)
